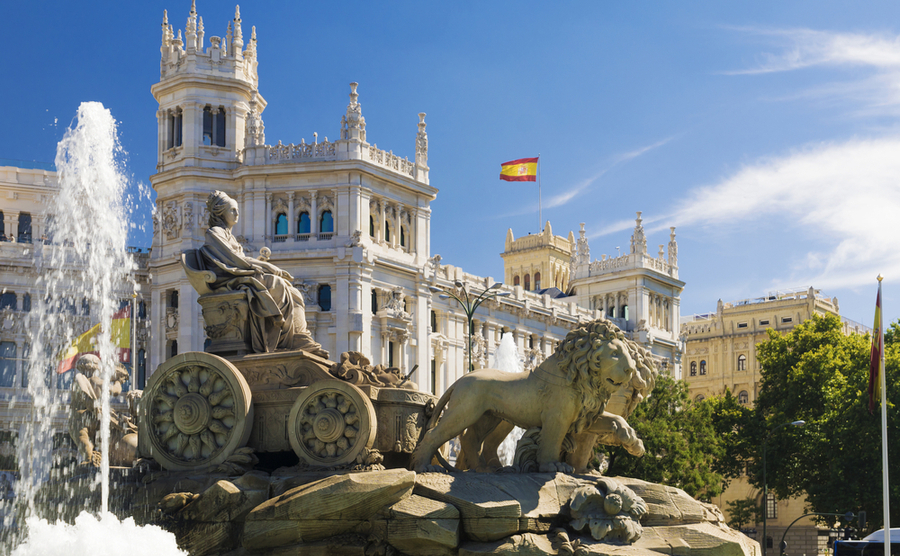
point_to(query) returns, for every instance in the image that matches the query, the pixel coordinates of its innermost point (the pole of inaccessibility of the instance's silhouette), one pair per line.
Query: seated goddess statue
(277, 310)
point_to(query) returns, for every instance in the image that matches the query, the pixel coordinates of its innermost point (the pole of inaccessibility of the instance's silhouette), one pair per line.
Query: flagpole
(884, 441)
(133, 357)
(540, 208)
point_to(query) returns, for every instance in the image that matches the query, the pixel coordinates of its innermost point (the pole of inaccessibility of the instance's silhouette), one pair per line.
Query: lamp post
(469, 305)
(765, 539)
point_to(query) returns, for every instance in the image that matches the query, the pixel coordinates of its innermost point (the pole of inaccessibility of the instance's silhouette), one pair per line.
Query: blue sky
(766, 132)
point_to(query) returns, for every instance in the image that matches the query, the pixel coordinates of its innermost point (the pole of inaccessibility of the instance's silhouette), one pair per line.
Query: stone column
(266, 216)
(292, 218)
(313, 214)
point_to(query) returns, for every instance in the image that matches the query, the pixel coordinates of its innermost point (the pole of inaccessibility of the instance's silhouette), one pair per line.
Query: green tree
(685, 449)
(819, 375)
(743, 512)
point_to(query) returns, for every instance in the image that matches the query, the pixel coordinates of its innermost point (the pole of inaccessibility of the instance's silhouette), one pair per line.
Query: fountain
(85, 269)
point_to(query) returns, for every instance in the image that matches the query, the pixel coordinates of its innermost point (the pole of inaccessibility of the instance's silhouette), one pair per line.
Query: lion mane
(579, 362)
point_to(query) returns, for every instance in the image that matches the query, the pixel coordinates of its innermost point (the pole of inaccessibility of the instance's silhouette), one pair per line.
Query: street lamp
(765, 539)
(470, 304)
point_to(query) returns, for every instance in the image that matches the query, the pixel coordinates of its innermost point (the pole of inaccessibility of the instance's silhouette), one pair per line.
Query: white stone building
(24, 195)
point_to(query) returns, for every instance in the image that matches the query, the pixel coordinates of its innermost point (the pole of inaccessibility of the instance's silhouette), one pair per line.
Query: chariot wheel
(195, 412)
(330, 423)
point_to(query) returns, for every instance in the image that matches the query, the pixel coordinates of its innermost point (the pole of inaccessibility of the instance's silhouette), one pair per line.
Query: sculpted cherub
(566, 394)
(86, 418)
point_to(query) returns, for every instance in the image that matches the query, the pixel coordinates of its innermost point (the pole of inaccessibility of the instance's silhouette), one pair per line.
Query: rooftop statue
(276, 308)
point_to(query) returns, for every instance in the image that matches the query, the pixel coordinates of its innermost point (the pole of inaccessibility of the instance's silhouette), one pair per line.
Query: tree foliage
(743, 512)
(686, 442)
(819, 375)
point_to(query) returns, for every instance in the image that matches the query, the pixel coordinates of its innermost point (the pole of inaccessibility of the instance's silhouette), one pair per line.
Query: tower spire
(190, 29)
(238, 41)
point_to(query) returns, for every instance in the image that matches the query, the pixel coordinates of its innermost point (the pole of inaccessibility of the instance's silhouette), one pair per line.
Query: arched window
(742, 362)
(325, 297)
(624, 312)
(387, 232)
(281, 224)
(537, 281)
(611, 312)
(7, 364)
(173, 299)
(402, 236)
(142, 309)
(527, 282)
(326, 223)
(24, 228)
(531, 342)
(703, 367)
(390, 354)
(374, 302)
(693, 368)
(173, 131)
(434, 322)
(743, 397)
(26, 302)
(2, 228)
(48, 230)
(304, 225)
(515, 280)
(700, 398)
(173, 348)
(214, 127)
(371, 226)
(8, 301)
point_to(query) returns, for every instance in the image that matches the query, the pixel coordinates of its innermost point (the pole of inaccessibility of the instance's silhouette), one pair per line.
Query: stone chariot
(199, 408)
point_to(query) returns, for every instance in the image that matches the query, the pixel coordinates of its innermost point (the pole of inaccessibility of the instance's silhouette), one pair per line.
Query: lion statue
(567, 394)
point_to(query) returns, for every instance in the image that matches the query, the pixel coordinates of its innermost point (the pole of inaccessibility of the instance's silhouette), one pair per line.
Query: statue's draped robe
(277, 319)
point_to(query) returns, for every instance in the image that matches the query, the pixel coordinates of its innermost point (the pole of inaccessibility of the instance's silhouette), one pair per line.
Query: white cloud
(845, 195)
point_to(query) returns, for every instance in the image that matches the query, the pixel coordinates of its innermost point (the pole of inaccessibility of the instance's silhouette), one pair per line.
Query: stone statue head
(216, 205)
(88, 365)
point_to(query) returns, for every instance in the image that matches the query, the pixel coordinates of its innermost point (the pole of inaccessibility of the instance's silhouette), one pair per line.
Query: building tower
(538, 262)
(639, 292)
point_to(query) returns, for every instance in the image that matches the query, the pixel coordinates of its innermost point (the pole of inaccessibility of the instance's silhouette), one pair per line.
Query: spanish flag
(524, 169)
(87, 342)
(875, 369)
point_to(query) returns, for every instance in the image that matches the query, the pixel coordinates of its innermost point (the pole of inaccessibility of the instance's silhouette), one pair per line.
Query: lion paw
(433, 469)
(636, 448)
(556, 467)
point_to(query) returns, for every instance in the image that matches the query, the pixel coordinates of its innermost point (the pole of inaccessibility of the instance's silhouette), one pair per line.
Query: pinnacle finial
(253, 33)
(193, 6)
(237, 12)
(165, 17)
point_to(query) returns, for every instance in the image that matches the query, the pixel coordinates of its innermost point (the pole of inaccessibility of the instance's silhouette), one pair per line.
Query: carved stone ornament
(171, 319)
(170, 222)
(355, 239)
(188, 216)
(157, 224)
(611, 512)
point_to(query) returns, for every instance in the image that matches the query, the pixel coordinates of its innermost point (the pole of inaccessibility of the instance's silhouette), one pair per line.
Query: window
(786, 320)
(214, 127)
(742, 325)
(26, 354)
(527, 282)
(531, 342)
(281, 227)
(693, 368)
(611, 313)
(141, 369)
(26, 302)
(699, 398)
(390, 354)
(24, 228)
(371, 226)
(402, 236)
(537, 281)
(326, 223)
(771, 507)
(303, 223)
(374, 302)
(625, 316)
(8, 301)
(2, 228)
(742, 362)
(7, 364)
(434, 322)
(387, 232)
(515, 280)
(764, 322)
(325, 297)
(433, 377)
(142, 309)
(173, 348)
(173, 131)
(173, 299)
(86, 306)
(744, 397)
(703, 367)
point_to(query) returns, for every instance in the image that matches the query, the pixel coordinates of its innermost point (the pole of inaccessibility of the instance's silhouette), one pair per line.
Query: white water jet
(85, 271)
(506, 358)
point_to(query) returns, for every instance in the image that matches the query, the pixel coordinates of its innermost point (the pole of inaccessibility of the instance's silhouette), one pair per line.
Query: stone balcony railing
(332, 151)
(626, 262)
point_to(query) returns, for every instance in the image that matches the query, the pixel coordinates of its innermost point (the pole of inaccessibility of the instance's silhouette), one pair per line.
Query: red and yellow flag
(875, 357)
(524, 169)
(87, 342)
